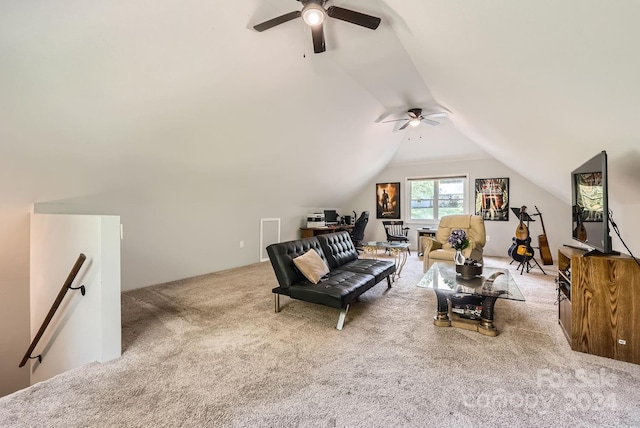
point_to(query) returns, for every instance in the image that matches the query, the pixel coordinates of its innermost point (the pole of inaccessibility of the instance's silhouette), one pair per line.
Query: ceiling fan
(416, 117)
(313, 13)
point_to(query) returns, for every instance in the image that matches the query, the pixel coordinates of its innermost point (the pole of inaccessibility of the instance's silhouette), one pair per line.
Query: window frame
(435, 221)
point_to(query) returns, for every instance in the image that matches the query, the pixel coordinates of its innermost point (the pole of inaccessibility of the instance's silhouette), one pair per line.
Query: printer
(316, 220)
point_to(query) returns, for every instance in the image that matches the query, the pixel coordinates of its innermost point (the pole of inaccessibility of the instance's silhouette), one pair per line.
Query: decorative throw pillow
(311, 265)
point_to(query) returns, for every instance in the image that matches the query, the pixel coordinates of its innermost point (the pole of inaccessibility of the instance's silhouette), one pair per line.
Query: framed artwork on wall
(388, 200)
(492, 198)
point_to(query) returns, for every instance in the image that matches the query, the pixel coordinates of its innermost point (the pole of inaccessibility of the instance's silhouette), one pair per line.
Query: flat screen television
(590, 204)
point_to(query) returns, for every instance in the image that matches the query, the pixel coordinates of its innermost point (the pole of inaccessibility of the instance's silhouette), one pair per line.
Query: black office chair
(357, 233)
(396, 231)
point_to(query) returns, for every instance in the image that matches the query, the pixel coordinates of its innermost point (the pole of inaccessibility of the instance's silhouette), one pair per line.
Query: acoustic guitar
(543, 244)
(580, 232)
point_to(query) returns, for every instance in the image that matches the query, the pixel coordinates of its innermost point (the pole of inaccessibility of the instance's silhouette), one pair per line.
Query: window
(432, 198)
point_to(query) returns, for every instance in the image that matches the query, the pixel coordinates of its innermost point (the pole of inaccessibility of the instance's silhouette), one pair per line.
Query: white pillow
(311, 265)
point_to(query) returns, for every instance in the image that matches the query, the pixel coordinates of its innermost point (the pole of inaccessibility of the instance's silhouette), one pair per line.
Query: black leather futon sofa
(348, 276)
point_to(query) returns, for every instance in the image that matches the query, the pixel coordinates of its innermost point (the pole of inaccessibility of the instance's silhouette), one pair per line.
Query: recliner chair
(357, 233)
(439, 250)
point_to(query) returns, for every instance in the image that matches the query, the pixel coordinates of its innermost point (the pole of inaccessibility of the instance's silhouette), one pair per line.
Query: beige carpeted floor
(211, 352)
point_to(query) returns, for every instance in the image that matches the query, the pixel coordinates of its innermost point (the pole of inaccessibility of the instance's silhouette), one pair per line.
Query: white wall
(84, 328)
(14, 297)
(556, 213)
(190, 228)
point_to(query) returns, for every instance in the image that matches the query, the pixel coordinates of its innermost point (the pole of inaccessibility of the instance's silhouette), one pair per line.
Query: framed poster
(492, 198)
(388, 200)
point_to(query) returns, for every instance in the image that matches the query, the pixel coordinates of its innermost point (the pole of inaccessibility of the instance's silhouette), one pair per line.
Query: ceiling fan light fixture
(415, 121)
(313, 14)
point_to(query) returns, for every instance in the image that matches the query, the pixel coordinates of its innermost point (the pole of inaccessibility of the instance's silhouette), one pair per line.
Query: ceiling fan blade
(442, 114)
(318, 39)
(394, 120)
(430, 122)
(277, 21)
(353, 17)
(404, 126)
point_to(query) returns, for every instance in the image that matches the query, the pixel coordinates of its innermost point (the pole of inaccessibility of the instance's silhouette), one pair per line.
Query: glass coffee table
(398, 250)
(469, 303)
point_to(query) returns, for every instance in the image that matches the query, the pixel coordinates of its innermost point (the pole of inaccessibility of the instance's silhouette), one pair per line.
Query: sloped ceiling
(117, 96)
(541, 86)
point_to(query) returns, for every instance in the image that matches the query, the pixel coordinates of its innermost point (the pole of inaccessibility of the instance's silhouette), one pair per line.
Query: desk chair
(396, 231)
(357, 233)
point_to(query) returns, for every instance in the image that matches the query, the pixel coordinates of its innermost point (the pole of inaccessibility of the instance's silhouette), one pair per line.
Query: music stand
(525, 216)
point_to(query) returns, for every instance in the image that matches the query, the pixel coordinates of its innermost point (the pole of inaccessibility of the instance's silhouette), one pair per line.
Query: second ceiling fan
(416, 117)
(313, 13)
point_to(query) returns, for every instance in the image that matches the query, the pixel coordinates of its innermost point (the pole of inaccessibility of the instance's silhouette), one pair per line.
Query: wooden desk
(425, 231)
(308, 232)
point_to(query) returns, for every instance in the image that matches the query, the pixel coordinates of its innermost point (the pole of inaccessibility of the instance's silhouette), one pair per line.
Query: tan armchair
(439, 250)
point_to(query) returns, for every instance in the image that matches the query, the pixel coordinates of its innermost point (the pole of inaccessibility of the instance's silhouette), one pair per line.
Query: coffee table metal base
(483, 325)
(469, 302)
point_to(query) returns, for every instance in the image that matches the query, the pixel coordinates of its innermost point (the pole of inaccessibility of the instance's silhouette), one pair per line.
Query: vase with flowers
(459, 241)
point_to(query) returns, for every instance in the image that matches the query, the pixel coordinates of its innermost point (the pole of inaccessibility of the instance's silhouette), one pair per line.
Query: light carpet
(211, 352)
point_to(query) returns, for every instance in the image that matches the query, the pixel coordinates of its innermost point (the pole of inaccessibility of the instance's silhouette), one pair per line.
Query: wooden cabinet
(598, 303)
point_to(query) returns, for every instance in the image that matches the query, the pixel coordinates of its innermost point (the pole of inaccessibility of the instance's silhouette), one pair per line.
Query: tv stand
(592, 252)
(595, 252)
(597, 297)
(575, 247)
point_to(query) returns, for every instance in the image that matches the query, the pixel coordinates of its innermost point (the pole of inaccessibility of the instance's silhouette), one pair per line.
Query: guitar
(543, 244)
(520, 249)
(580, 232)
(522, 232)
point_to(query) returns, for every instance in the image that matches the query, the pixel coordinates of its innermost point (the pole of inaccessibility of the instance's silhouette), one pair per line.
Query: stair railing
(63, 291)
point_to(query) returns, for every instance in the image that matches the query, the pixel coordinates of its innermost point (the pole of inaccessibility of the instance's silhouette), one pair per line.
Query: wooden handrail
(66, 286)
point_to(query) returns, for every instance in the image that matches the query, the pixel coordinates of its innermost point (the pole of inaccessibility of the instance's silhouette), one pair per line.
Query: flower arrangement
(458, 239)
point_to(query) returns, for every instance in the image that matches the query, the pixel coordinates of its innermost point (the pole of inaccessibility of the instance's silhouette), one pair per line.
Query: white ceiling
(108, 96)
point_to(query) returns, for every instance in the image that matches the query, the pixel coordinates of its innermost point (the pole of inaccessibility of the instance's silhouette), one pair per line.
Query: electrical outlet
(241, 244)
(488, 238)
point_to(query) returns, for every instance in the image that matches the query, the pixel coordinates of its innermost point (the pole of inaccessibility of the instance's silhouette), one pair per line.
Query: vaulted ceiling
(108, 96)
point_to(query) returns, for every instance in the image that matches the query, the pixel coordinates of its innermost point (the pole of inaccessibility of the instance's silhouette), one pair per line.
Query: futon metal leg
(277, 303)
(389, 281)
(343, 315)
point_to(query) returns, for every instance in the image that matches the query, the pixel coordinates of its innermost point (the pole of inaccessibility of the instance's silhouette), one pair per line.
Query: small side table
(425, 231)
(398, 250)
